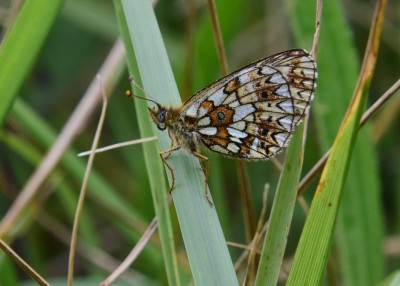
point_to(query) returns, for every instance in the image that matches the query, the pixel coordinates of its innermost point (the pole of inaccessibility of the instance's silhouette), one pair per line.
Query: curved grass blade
(312, 254)
(22, 45)
(360, 216)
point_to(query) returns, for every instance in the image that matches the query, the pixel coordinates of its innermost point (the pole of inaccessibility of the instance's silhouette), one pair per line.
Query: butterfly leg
(164, 159)
(205, 170)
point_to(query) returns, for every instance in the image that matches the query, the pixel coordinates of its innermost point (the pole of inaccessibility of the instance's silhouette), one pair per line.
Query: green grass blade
(360, 229)
(21, 47)
(312, 254)
(392, 280)
(360, 222)
(202, 234)
(154, 167)
(9, 275)
(281, 213)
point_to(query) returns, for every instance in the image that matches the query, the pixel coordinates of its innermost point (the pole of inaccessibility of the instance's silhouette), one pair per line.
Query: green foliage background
(45, 87)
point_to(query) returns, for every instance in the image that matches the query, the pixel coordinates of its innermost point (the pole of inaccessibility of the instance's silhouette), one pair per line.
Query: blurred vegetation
(119, 205)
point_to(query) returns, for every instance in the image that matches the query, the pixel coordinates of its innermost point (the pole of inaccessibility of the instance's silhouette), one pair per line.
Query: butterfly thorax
(182, 131)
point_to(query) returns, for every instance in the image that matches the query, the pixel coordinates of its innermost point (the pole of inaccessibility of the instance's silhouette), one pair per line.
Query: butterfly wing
(252, 112)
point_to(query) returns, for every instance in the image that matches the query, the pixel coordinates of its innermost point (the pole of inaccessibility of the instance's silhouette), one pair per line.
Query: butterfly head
(159, 116)
(158, 113)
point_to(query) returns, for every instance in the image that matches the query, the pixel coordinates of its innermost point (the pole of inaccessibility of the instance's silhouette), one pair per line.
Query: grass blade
(21, 47)
(281, 213)
(312, 254)
(205, 244)
(360, 229)
(154, 167)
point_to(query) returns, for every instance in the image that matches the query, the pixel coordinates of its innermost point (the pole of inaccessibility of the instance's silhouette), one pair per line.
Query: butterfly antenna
(148, 97)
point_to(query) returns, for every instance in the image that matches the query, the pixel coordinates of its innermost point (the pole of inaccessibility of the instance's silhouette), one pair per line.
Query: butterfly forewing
(252, 112)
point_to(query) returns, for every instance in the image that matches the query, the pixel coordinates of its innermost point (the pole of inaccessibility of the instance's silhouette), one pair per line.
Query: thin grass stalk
(83, 191)
(118, 145)
(23, 264)
(132, 255)
(241, 168)
(189, 49)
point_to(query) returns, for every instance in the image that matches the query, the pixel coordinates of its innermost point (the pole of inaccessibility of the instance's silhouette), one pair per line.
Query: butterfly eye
(162, 115)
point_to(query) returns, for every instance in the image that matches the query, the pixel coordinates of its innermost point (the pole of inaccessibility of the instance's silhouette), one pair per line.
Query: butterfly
(249, 114)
